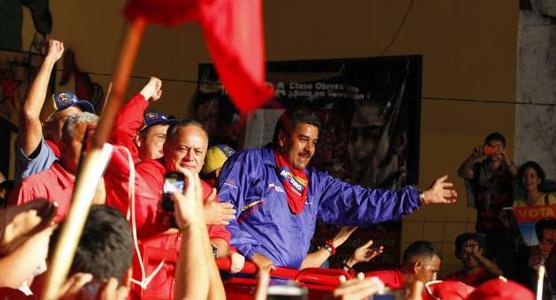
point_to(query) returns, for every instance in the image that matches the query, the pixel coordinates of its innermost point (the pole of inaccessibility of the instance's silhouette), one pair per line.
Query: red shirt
(128, 122)
(391, 278)
(151, 222)
(55, 184)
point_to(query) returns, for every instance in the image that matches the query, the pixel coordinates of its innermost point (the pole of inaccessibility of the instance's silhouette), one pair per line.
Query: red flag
(234, 36)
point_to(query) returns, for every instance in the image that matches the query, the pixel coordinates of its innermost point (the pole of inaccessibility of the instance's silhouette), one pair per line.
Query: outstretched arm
(30, 127)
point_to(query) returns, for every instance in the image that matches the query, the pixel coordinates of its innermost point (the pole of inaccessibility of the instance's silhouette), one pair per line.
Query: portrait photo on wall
(369, 109)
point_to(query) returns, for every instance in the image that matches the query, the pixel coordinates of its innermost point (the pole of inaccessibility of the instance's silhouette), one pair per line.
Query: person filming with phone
(488, 173)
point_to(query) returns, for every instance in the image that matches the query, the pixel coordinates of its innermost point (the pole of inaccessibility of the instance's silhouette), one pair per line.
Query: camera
(173, 182)
(488, 150)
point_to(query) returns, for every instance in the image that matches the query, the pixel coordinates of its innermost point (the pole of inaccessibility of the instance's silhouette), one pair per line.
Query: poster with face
(369, 109)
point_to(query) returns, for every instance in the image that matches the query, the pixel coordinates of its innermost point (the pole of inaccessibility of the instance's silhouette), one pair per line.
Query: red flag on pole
(233, 32)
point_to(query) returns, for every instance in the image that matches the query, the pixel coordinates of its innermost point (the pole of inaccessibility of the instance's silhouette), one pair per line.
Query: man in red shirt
(57, 182)
(143, 133)
(421, 262)
(185, 148)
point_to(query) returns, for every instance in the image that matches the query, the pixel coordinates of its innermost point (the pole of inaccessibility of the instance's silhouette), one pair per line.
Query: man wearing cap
(36, 150)
(216, 157)
(142, 133)
(278, 198)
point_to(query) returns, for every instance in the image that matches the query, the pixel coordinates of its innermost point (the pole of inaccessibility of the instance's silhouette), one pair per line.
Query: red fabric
(128, 121)
(295, 184)
(453, 290)
(167, 12)
(469, 278)
(234, 36)
(13, 294)
(496, 289)
(54, 147)
(391, 278)
(54, 184)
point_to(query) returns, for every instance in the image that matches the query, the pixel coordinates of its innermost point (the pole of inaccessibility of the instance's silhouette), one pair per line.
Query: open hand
(440, 192)
(217, 213)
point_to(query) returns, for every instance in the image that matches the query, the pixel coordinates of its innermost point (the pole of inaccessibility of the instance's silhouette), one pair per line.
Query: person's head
(530, 175)
(216, 157)
(75, 129)
(296, 136)
(466, 243)
(105, 248)
(24, 237)
(65, 105)
(421, 261)
(546, 234)
(498, 141)
(150, 140)
(186, 146)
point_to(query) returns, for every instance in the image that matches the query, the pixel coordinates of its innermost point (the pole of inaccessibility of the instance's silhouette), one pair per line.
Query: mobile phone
(488, 150)
(173, 182)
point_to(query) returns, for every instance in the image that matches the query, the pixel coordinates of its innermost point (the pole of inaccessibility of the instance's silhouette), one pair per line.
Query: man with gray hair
(57, 182)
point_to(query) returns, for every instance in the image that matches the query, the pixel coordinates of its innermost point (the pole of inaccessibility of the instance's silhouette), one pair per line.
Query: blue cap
(156, 118)
(64, 100)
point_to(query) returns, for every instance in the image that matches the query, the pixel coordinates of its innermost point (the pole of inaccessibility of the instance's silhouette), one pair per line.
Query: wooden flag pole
(89, 175)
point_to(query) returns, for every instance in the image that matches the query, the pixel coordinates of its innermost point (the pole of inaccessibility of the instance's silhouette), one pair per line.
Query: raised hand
(152, 90)
(55, 50)
(188, 206)
(440, 192)
(364, 253)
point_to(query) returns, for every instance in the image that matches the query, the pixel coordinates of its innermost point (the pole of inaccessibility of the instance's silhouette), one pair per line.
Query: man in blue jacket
(278, 198)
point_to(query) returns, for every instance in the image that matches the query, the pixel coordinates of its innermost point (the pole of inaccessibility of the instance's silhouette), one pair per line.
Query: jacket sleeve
(128, 122)
(233, 184)
(348, 204)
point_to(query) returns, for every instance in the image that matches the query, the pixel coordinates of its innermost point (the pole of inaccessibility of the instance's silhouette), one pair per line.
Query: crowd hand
(262, 284)
(365, 253)
(440, 192)
(73, 288)
(187, 206)
(416, 291)
(478, 152)
(152, 90)
(55, 51)
(217, 213)
(262, 262)
(358, 288)
(237, 262)
(343, 234)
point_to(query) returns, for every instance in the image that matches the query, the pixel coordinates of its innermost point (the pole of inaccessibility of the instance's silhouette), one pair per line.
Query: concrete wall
(468, 48)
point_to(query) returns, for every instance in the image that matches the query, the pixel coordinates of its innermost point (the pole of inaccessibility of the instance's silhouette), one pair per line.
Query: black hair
(180, 123)
(468, 236)
(535, 166)
(546, 223)
(105, 248)
(293, 116)
(495, 136)
(420, 249)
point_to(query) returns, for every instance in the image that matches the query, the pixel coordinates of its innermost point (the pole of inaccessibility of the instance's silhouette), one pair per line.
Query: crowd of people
(256, 206)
